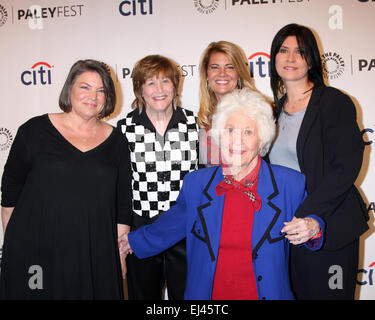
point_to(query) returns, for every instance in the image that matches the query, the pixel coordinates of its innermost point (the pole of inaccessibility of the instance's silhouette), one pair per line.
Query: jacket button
(260, 278)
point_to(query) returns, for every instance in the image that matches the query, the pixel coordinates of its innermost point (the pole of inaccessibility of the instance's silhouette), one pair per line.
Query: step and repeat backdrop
(41, 39)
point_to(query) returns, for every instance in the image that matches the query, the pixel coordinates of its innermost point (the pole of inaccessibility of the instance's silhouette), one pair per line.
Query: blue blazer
(197, 217)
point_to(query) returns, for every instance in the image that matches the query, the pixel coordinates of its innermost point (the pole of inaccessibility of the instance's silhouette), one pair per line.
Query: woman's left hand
(300, 230)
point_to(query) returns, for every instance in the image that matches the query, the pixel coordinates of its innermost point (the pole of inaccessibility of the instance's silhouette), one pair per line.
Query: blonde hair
(207, 97)
(149, 66)
(252, 104)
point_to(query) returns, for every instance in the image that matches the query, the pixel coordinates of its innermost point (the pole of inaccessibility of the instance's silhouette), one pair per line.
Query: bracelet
(318, 235)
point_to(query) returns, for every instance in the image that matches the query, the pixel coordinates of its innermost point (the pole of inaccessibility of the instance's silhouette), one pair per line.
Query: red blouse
(234, 276)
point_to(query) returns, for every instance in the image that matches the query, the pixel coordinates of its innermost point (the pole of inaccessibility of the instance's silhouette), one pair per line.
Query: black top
(67, 203)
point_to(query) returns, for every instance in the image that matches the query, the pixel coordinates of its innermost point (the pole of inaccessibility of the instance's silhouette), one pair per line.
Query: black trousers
(324, 275)
(146, 277)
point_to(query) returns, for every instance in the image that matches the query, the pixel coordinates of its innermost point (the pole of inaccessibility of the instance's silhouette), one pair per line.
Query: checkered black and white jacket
(157, 169)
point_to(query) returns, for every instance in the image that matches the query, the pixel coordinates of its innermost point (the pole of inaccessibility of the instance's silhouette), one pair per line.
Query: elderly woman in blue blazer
(232, 215)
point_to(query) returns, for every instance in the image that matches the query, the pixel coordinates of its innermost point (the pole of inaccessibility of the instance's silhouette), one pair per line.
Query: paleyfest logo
(206, 6)
(3, 15)
(333, 65)
(35, 14)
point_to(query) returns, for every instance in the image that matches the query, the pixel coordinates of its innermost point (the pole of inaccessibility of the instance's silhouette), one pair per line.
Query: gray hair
(252, 104)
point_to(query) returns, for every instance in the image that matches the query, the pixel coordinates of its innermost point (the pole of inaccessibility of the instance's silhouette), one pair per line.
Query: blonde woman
(223, 68)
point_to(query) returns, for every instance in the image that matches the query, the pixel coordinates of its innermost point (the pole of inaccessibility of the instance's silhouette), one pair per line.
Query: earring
(239, 84)
(207, 85)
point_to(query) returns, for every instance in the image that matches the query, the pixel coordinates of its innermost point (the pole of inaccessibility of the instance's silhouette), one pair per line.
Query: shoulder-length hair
(207, 97)
(252, 104)
(76, 70)
(149, 66)
(310, 52)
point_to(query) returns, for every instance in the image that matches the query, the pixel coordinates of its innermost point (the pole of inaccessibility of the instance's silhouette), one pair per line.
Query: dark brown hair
(310, 52)
(89, 65)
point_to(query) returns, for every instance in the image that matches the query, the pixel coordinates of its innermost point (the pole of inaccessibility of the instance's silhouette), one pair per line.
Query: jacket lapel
(265, 219)
(312, 111)
(207, 227)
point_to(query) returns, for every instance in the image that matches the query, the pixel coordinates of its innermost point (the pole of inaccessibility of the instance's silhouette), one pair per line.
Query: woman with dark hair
(163, 147)
(61, 212)
(318, 135)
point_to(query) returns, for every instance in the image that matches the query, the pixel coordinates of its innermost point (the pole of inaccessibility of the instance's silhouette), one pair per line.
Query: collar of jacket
(264, 220)
(142, 119)
(312, 111)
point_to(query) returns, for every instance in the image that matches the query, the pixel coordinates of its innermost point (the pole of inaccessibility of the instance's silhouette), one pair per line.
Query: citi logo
(40, 74)
(260, 65)
(368, 131)
(134, 7)
(368, 275)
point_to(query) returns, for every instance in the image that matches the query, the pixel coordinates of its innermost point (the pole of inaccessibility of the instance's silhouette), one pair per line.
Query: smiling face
(158, 93)
(87, 95)
(221, 75)
(291, 65)
(240, 144)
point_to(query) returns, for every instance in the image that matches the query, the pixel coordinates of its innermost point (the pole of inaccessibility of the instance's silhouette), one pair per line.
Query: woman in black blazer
(318, 135)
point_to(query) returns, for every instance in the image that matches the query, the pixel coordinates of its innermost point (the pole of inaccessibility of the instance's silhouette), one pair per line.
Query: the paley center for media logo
(333, 65)
(6, 139)
(3, 15)
(206, 6)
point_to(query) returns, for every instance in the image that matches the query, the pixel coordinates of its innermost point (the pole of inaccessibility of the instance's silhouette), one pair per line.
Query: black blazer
(330, 152)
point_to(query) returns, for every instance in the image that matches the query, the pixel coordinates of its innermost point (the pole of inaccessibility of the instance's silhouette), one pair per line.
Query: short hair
(89, 65)
(252, 104)
(149, 66)
(310, 52)
(207, 97)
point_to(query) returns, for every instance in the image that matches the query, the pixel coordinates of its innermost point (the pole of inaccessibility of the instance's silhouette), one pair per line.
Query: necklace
(308, 90)
(304, 96)
(296, 105)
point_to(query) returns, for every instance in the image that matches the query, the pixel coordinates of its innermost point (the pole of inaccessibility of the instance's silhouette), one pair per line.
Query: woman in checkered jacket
(163, 146)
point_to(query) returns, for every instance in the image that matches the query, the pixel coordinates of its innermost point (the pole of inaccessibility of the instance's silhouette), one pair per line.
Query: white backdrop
(41, 39)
